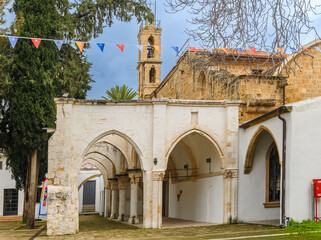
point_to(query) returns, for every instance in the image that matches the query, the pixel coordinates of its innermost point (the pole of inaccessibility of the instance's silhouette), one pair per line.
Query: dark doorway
(89, 196)
(10, 203)
(165, 198)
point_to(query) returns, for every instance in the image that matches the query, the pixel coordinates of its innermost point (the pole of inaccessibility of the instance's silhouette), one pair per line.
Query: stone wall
(231, 80)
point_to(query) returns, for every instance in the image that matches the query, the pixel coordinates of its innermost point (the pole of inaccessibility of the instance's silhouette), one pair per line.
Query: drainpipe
(283, 167)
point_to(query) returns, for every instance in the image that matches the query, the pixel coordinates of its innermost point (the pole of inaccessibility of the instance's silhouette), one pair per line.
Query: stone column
(114, 198)
(157, 198)
(148, 199)
(230, 195)
(107, 200)
(122, 186)
(134, 180)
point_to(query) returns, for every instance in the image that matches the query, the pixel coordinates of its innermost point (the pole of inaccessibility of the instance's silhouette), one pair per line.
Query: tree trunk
(32, 191)
(26, 189)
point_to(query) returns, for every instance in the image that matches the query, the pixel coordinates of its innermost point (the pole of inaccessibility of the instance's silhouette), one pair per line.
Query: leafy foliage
(120, 93)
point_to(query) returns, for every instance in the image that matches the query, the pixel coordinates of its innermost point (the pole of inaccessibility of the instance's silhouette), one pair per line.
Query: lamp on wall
(209, 160)
(155, 161)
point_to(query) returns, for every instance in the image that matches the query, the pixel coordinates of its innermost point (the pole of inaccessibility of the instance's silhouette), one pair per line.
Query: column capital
(113, 183)
(158, 175)
(230, 173)
(122, 182)
(134, 176)
(108, 186)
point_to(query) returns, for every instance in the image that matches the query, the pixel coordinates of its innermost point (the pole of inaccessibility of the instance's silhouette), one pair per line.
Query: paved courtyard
(96, 227)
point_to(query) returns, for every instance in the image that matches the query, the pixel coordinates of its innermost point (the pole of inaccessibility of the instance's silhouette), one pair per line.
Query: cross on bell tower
(149, 59)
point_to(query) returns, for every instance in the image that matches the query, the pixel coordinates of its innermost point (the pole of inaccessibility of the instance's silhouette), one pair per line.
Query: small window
(1, 165)
(38, 195)
(257, 71)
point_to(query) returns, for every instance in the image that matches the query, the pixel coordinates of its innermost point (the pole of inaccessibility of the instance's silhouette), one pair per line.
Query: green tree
(30, 78)
(120, 93)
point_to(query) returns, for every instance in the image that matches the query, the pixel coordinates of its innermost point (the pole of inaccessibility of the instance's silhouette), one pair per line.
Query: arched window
(152, 75)
(274, 174)
(201, 84)
(150, 47)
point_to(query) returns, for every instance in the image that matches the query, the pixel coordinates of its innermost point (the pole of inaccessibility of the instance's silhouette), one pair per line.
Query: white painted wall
(303, 157)
(252, 187)
(7, 183)
(201, 200)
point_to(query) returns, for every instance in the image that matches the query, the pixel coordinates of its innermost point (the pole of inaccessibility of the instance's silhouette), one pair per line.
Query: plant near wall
(120, 93)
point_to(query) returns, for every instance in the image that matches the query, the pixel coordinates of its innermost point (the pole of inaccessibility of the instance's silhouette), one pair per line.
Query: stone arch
(214, 142)
(252, 146)
(108, 164)
(152, 75)
(116, 132)
(201, 84)
(150, 47)
(103, 170)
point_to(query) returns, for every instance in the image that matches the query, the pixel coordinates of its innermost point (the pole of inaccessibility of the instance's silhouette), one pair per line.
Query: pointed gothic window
(152, 75)
(274, 176)
(201, 84)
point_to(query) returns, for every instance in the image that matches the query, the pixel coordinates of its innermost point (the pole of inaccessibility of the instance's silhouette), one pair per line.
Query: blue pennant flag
(175, 49)
(101, 46)
(13, 41)
(293, 49)
(240, 49)
(58, 43)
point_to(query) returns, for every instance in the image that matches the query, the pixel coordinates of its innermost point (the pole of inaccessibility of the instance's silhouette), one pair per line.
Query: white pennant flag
(140, 47)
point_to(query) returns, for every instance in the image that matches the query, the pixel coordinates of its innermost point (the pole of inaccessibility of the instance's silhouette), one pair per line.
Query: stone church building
(226, 136)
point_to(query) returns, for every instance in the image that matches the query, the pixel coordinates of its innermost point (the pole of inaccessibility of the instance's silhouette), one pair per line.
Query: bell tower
(149, 59)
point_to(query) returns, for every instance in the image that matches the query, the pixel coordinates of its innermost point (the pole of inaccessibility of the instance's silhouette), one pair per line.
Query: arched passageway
(193, 182)
(119, 164)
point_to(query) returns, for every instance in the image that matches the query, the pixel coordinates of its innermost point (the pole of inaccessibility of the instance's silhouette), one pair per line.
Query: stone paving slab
(96, 227)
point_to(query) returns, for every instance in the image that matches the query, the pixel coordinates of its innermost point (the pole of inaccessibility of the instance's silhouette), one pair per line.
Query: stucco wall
(304, 161)
(201, 200)
(252, 186)
(6, 182)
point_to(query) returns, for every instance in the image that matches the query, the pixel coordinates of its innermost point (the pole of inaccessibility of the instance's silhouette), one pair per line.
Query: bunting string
(36, 41)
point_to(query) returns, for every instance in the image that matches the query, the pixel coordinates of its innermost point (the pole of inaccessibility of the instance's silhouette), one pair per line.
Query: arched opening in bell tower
(150, 48)
(152, 75)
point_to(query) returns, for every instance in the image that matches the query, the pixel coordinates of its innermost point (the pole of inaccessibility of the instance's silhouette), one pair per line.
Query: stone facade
(203, 75)
(254, 79)
(154, 130)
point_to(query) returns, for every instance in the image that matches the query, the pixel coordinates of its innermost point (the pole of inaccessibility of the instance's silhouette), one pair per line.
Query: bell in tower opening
(149, 59)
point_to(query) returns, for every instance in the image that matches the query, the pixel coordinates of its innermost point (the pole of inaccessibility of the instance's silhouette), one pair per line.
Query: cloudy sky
(114, 67)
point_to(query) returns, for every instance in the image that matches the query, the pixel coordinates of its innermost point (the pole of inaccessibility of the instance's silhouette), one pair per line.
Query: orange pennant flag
(36, 42)
(253, 50)
(121, 46)
(192, 49)
(158, 49)
(281, 50)
(80, 45)
(224, 49)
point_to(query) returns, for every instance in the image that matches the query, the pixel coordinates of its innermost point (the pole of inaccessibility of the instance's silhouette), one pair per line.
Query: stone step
(88, 208)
